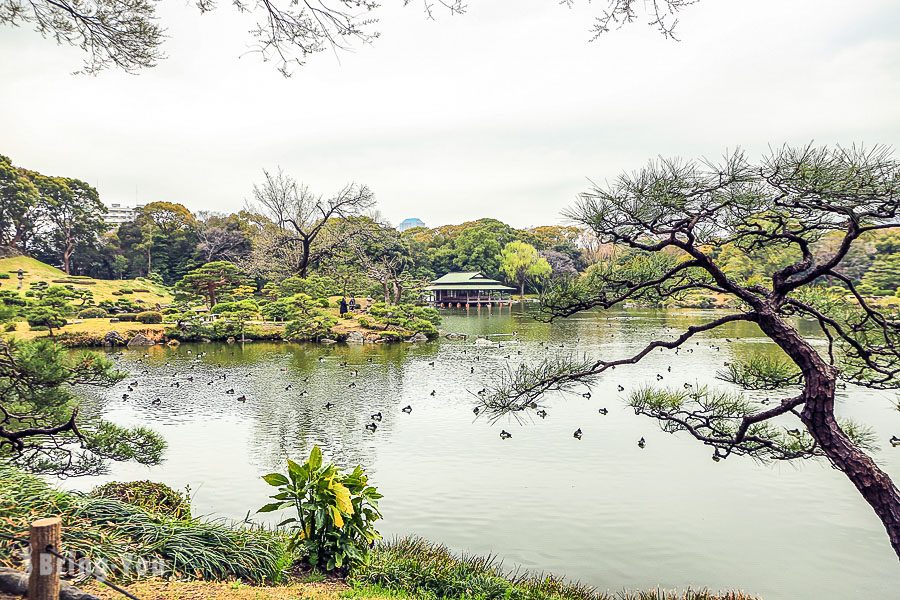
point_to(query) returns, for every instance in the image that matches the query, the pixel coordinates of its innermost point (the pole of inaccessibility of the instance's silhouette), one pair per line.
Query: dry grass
(97, 327)
(155, 589)
(102, 289)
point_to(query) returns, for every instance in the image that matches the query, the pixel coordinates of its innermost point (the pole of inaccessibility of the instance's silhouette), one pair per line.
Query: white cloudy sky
(503, 112)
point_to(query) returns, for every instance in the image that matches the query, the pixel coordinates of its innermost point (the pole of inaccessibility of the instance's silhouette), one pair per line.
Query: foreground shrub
(129, 317)
(336, 512)
(111, 530)
(151, 496)
(148, 317)
(93, 312)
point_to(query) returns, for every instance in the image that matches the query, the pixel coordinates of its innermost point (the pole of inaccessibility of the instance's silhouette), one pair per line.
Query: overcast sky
(505, 111)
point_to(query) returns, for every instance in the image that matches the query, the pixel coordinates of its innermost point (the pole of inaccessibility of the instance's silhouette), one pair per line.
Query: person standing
(343, 306)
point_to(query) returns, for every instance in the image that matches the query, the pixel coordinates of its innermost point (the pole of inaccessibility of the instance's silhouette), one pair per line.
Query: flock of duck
(377, 417)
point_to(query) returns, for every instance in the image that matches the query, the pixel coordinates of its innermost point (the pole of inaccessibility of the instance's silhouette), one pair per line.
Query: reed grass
(194, 549)
(112, 531)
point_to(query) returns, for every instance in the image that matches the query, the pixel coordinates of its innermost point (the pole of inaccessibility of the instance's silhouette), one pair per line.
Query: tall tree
(222, 237)
(299, 219)
(162, 239)
(74, 215)
(19, 207)
(385, 256)
(522, 264)
(125, 33)
(673, 214)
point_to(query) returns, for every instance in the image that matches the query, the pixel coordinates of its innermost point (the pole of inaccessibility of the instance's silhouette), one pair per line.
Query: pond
(601, 509)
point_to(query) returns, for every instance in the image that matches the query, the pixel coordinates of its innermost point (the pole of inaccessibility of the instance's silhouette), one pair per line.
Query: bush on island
(149, 317)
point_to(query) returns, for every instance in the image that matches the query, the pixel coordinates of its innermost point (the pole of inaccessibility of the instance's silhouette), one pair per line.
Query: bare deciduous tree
(671, 216)
(299, 234)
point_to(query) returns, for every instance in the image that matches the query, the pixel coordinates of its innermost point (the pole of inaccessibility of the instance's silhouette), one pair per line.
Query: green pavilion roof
(467, 280)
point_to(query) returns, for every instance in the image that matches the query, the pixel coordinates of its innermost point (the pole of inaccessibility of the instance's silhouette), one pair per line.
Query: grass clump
(423, 569)
(112, 530)
(151, 496)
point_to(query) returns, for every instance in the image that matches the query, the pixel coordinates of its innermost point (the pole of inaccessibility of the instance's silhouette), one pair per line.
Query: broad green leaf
(275, 479)
(271, 507)
(315, 458)
(342, 498)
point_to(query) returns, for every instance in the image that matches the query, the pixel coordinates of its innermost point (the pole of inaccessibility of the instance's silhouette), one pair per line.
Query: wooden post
(43, 584)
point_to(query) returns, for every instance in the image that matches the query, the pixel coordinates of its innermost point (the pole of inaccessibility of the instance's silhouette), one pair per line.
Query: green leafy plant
(335, 512)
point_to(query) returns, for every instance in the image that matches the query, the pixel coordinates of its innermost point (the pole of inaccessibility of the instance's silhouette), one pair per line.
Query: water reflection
(600, 509)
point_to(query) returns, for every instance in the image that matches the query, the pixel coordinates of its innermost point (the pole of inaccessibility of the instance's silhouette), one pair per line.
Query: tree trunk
(522, 290)
(211, 288)
(304, 259)
(67, 258)
(820, 382)
(874, 484)
(387, 291)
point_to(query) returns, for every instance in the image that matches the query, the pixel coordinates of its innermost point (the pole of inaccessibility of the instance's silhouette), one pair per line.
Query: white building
(117, 214)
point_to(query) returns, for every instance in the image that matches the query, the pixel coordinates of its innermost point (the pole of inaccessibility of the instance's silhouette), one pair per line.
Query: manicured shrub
(248, 306)
(72, 280)
(127, 317)
(151, 496)
(323, 302)
(309, 327)
(126, 290)
(93, 312)
(408, 317)
(148, 316)
(4, 275)
(141, 290)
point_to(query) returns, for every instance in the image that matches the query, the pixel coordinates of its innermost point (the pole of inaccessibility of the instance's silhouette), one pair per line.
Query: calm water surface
(600, 510)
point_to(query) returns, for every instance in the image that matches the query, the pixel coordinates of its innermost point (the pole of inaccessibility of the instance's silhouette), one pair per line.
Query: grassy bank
(221, 560)
(137, 290)
(90, 330)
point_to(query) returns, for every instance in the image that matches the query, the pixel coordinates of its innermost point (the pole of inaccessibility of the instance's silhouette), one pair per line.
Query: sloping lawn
(35, 270)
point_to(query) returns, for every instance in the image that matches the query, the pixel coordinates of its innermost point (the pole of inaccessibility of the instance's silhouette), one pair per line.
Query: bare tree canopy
(672, 218)
(297, 229)
(126, 34)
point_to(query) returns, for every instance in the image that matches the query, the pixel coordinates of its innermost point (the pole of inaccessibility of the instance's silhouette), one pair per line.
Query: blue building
(410, 223)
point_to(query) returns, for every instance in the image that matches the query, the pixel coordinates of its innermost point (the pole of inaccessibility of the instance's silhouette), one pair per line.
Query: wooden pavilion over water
(465, 289)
